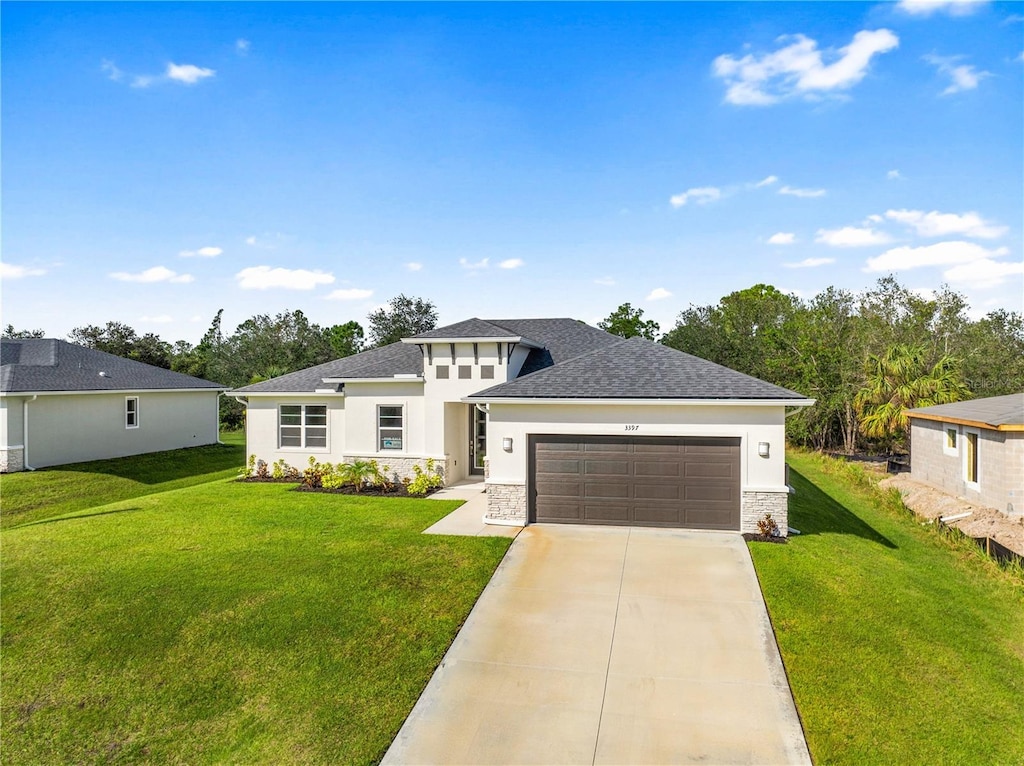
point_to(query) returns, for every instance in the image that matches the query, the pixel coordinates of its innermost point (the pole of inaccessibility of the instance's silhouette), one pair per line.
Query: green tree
(346, 339)
(628, 322)
(403, 317)
(121, 340)
(901, 379)
(10, 332)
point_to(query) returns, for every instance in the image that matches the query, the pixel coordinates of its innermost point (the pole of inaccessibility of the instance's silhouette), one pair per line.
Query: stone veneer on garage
(12, 460)
(507, 502)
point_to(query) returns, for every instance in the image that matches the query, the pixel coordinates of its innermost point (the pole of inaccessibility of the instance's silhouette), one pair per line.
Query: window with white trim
(951, 440)
(303, 426)
(390, 427)
(131, 412)
(971, 464)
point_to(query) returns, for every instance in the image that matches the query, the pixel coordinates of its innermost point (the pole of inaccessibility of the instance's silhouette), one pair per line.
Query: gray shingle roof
(637, 369)
(563, 339)
(994, 410)
(469, 328)
(384, 362)
(47, 364)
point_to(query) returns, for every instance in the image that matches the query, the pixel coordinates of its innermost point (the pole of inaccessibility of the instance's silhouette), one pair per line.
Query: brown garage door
(637, 481)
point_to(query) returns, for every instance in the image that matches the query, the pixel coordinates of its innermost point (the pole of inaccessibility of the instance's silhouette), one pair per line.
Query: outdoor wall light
(763, 449)
(506, 444)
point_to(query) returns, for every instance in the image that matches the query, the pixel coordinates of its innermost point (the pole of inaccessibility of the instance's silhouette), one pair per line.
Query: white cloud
(414, 266)
(158, 319)
(798, 69)
(189, 74)
(809, 263)
(766, 181)
(802, 193)
(782, 238)
(936, 224)
(928, 7)
(267, 241)
(143, 80)
(792, 291)
(265, 277)
(851, 236)
(155, 274)
(873, 218)
(242, 46)
(113, 73)
(962, 76)
(983, 273)
(893, 175)
(511, 263)
(481, 264)
(939, 254)
(701, 195)
(658, 293)
(606, 281)
(349, 294)
(11, 271)
(250, 241)
(203, 252)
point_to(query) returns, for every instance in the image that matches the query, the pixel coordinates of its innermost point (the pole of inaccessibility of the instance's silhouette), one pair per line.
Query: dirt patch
(931, 503)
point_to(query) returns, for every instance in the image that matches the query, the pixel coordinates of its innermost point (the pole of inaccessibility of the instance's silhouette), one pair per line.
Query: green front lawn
(48, 492)
(901, 646)
(239, 623)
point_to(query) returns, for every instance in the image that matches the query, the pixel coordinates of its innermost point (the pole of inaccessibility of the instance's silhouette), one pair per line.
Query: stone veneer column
(12, 460)
(506, 502)
(756, 504)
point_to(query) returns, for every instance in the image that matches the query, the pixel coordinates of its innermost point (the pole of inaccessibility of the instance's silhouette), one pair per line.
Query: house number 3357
(632, 428)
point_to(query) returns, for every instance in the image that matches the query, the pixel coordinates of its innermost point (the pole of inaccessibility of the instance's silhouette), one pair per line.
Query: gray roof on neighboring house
(637, 369)
(46, 364)
(384, 362)
(994, 411)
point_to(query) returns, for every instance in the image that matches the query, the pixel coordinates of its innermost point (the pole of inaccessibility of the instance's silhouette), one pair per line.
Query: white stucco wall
(74, 428)
(752, 424)
(261, 430)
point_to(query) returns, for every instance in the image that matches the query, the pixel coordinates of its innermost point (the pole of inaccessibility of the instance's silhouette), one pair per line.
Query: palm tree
(900, 380)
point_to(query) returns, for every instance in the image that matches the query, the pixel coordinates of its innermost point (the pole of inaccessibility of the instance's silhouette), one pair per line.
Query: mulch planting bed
(758, 538)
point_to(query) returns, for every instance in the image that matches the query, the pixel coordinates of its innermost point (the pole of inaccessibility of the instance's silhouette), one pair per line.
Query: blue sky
(164, 160)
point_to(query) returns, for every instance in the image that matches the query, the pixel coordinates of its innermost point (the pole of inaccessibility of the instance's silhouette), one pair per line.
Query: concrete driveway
(611, 645)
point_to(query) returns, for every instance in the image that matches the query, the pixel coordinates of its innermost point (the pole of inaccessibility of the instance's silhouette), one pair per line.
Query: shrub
(247, 470)
(262, 469)
(425, 480)
(313, 477)
(767, 527)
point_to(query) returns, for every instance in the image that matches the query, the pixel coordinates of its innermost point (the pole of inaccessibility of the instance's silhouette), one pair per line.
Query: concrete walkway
(468, 519)
(602, 645)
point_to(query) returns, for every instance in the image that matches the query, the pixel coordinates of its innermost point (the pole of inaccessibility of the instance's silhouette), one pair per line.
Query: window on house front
(390, 428)
(465, 372)
(971, 458)
(487, 371)
(442, 372)
(303, 425)
(951, 441)
(131, 412)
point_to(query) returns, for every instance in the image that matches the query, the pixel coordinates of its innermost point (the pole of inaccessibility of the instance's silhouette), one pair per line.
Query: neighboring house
(564, 422)
(972, 449)
(61, 403)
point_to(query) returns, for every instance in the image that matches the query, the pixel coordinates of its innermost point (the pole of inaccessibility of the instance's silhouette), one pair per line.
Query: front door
(477, 440)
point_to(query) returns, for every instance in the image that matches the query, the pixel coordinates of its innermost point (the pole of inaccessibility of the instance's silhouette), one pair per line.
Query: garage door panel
(606, 513)
(606, 489)
(658, 492)
(660, 515)
(662, 468)
(548, 465)
(709, 470)
(553, 489)
(606, 468)
(643, 481)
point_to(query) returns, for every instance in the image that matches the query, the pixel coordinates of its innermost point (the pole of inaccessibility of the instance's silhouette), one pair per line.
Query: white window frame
(955, 449)
(380, 439)
(130, 415)
(965, 434)
(304, 426)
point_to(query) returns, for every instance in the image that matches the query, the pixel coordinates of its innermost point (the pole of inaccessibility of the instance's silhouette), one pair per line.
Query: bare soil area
(931, 503)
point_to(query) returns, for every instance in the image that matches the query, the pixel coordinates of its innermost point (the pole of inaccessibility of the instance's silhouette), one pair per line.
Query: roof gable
(49, 365)
(637, 369)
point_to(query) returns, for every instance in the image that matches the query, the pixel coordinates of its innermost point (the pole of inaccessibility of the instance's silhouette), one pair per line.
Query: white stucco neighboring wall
(72, 428)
